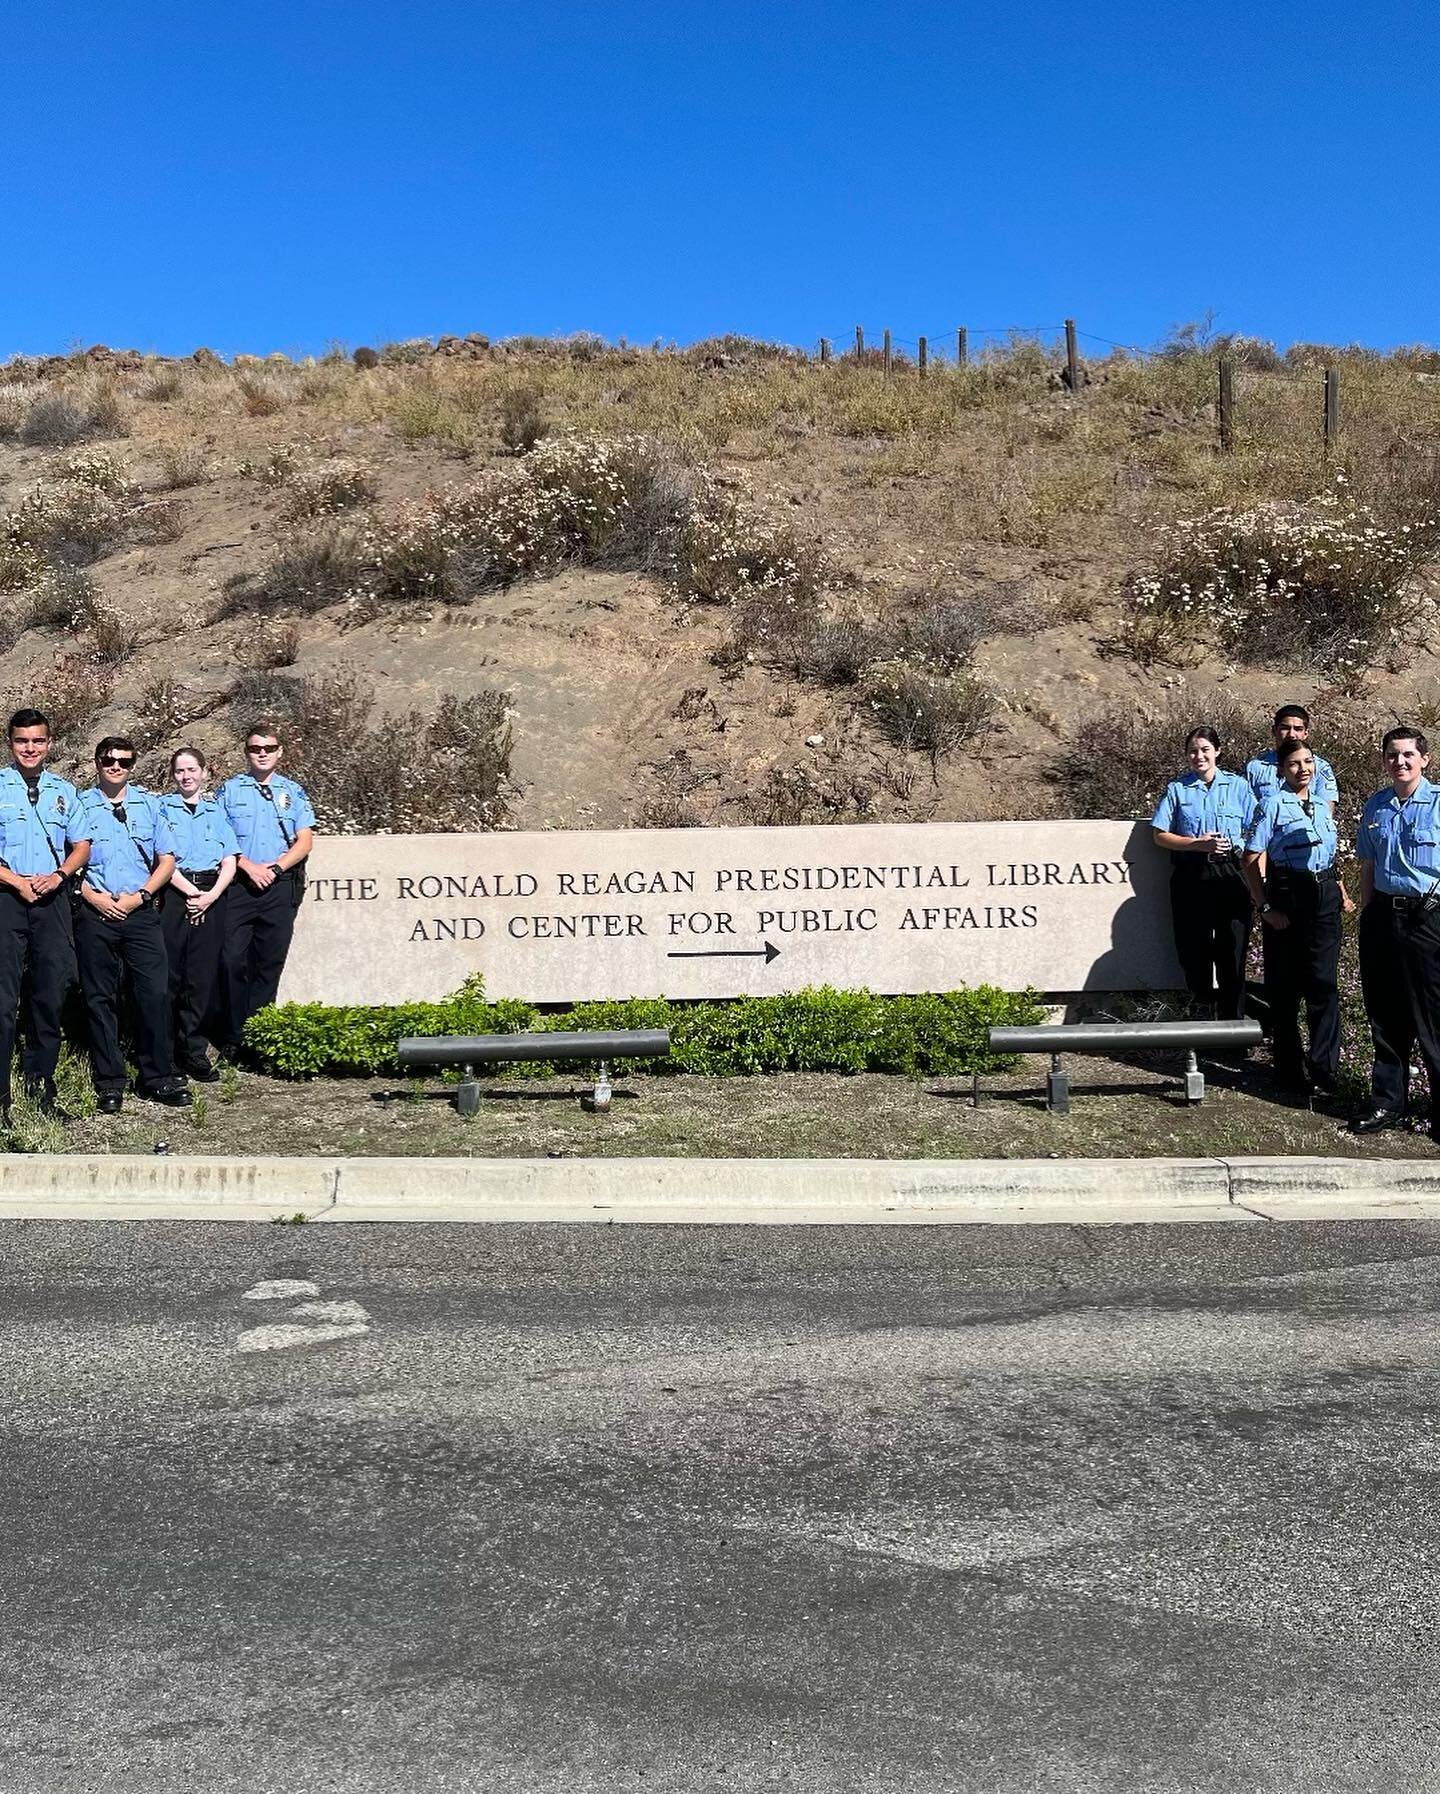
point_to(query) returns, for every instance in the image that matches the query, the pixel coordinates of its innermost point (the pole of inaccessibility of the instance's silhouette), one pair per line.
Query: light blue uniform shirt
(264, 830)
(123, 854)
(1226, 806)
(1264, 777)
(24, 826)
(203, 837)
(1402, 841)
(1289, 837)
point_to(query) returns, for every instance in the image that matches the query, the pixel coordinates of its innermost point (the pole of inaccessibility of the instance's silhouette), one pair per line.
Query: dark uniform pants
(103, 948)
(1400, 979)
(193, 952)
(1212, 932)
(37, 952)
(1303, 961)
(258, 927)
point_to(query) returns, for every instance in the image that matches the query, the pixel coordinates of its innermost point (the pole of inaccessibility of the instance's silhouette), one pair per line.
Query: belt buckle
(1399, 902)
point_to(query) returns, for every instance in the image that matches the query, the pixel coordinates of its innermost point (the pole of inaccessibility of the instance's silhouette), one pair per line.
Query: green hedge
(811, 1030)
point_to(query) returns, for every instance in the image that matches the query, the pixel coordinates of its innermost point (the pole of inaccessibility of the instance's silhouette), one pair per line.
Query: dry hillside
(563, 584)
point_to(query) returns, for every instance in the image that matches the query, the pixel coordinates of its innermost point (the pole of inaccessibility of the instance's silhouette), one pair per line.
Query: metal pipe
(1123, 1036)
(417, 1052)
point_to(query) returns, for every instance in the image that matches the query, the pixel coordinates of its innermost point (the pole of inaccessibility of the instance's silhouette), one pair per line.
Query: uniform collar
(1425, 789)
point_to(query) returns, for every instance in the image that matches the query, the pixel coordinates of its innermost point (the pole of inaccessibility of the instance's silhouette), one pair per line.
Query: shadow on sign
(1141, 955)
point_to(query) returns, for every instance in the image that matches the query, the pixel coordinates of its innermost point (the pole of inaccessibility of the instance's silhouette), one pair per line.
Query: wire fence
(959, 344)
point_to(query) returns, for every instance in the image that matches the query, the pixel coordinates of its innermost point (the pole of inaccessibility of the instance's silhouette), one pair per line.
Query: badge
(282, 800)
(60, 804)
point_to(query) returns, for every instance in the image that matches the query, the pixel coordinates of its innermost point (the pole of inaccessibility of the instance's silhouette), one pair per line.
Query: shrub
(182, 464)
(261, 395)
(1315, 583)
(1118, 762)
(71, 520)
(450, 775)
(941, 628)
(366, 358)
(164, 385)
(261, 692)
(333, 486)
(159, 521)
(809, 1030)
(276, 467)
(792, 797)
(270, 645)
(98, 468)
(930, 715)
(52, 420)
(163, 709)
(15, 402)
(114, 637)
(522, 421)
(835, 651)
(59, 595)
(307, 574)
(71, 692)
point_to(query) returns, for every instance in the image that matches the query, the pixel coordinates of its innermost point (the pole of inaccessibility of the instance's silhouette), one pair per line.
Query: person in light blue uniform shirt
(274, 825)
(1290, 728)
(1202, 819)
(1398, 843)
(193, 916)
(43, 846)
(1290, 868)
(117, 928)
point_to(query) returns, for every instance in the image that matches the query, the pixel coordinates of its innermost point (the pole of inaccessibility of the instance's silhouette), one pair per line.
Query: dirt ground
(618, 704)
(1118, 1110)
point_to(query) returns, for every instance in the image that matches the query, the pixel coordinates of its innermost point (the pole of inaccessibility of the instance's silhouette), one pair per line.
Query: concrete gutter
(765, 1192)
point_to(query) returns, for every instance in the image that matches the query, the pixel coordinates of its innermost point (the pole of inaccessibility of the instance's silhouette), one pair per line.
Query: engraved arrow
(768, 951)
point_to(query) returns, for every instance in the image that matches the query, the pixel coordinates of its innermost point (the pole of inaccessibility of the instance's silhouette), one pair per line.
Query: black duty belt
(1413, 906)
(202, 881)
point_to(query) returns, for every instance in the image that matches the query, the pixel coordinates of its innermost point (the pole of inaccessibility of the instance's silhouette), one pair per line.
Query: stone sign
(724, 912)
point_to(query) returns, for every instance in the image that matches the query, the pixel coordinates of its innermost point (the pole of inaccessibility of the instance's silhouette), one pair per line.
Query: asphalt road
(577, 1509)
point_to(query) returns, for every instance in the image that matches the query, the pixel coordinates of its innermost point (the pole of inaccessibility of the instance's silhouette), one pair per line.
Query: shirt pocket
(1190, 815)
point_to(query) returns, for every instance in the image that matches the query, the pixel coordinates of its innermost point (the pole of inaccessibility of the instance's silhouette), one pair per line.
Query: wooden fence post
(887, 354)
(824, 350)
(1332, 406)
(1227, 405)
(922, 356)
(859, 342)
(1072, 359)
(962, 346)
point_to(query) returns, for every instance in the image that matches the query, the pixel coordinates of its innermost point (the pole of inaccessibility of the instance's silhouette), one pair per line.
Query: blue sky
(283, 176)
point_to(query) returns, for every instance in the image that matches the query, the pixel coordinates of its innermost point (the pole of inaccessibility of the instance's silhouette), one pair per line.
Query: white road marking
(307, 1323)
(281, 1335)
(342, 1312)
(281, 1289)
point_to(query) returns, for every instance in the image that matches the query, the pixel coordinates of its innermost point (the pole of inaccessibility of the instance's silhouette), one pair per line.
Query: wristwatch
(147, 900)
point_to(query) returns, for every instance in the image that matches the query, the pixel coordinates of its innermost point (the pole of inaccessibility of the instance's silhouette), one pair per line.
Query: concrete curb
(763, 1192)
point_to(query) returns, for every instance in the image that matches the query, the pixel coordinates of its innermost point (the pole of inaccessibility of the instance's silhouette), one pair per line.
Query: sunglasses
(117, 760)
(262, 747)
